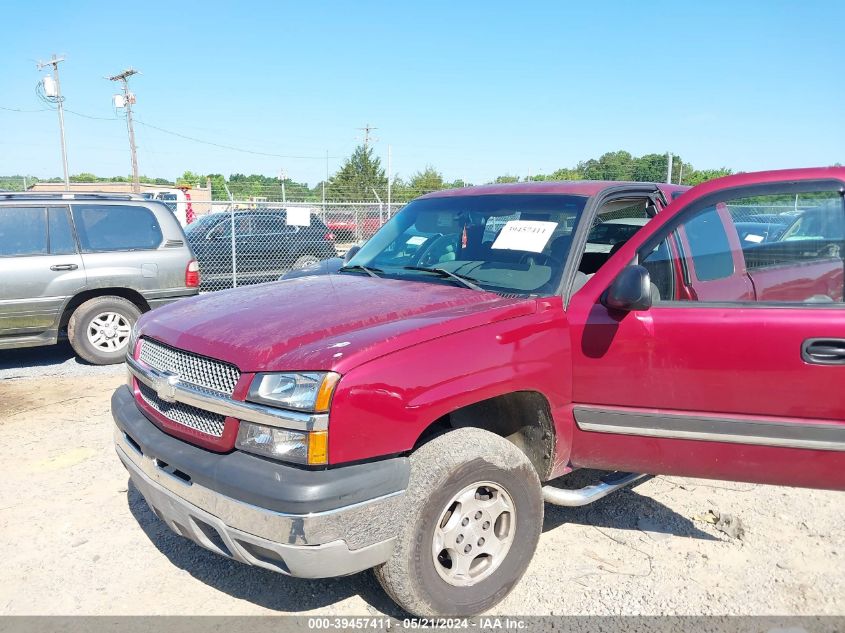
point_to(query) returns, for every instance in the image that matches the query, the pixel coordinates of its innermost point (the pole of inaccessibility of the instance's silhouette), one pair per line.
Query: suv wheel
(472, 519)
(100, 329)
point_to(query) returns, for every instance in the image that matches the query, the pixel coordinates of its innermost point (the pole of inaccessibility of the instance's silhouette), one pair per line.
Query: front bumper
(345, 534)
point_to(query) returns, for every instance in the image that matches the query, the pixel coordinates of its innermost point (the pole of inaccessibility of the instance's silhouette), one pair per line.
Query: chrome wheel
(474, 534)
(109, 331)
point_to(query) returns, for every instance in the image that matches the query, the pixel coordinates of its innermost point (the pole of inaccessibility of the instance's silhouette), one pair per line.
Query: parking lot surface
(79, 539)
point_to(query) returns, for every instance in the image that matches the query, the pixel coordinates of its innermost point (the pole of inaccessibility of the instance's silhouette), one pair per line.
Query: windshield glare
(513, 244)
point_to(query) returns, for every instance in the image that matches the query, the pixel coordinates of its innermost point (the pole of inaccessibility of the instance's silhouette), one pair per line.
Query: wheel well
(522, 417)
(125, 293)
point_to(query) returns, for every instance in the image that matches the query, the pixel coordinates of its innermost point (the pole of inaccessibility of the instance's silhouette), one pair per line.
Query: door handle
(824, 351)
(64, 267)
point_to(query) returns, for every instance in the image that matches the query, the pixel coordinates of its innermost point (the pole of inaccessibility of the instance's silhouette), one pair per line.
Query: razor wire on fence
(242, 242)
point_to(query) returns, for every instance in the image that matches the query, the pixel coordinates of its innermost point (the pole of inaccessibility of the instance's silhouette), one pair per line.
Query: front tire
(471, 522)
(99, 330)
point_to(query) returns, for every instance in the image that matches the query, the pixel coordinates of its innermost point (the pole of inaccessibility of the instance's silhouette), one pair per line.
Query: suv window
(272, 225)
(23, 231)
(116, 228)
(62, 241)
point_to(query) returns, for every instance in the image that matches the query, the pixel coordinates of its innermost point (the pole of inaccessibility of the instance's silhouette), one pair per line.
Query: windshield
(512, 244)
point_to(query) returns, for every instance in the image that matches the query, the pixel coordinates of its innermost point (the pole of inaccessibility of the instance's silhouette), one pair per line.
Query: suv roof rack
(68, 195)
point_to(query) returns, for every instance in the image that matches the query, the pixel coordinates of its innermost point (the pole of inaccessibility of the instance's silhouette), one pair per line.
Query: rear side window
(62, 241)
(23, 231)
(272, 225)
(116, 228)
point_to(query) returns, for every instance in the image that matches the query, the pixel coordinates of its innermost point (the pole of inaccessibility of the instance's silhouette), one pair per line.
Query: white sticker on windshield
(525, 235)
(756, 239)
(416, 240)
(299, 216)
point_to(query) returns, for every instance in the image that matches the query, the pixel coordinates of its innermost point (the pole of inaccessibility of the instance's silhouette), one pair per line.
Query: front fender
(383, 406)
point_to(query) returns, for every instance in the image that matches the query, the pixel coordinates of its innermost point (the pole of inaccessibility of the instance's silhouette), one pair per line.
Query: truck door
(40, 268)
(717, 378)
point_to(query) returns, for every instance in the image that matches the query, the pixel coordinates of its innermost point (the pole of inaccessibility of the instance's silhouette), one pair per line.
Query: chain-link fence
(242, 242)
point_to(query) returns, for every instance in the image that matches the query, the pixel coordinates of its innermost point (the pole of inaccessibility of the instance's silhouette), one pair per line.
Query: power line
(22, 110)
(231, 147)
(96, 118)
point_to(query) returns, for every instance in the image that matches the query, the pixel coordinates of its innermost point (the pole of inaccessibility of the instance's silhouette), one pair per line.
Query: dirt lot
(77, 539)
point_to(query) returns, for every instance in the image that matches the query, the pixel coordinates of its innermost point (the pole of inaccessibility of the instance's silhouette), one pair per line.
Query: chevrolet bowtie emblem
(165, 386)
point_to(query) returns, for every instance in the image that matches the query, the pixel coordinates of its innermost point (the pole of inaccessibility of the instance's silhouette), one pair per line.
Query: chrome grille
(197, 419)
(196, 370)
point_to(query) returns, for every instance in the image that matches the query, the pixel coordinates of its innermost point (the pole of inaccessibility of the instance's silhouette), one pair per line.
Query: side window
(273, 225)
(616, 222)
(709, 246)
(23, 231)
(62, 241)
(775, 247)
(661, 268)
(116, 228)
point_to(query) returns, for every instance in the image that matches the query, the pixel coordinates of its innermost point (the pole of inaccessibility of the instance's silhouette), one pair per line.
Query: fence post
(380, 208)
(234, 248)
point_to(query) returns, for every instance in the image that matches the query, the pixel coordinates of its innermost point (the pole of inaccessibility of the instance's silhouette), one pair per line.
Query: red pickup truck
(408, 412)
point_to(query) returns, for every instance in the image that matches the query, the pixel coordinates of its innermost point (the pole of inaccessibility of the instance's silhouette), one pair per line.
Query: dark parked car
(265, 245)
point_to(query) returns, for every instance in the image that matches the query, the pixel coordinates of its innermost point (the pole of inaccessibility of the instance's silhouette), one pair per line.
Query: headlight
(292, 446)
(133, 340)
(304, 391)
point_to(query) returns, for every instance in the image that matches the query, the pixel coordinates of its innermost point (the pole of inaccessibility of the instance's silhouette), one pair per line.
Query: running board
(588, 494)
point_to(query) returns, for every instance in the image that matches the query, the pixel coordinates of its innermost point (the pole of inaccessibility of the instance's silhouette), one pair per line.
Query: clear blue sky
(477, 89)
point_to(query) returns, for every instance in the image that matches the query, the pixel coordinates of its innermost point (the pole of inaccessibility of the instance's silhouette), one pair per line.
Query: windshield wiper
(464, 280)
(370, 271)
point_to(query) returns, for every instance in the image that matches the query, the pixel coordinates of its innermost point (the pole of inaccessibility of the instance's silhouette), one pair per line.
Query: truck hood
(327, 322)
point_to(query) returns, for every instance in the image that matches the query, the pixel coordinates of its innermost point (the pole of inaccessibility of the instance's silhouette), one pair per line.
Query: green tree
(652, 168)
(698, 176)
(427, 180)
(83, 177)
(191, 179)
(564, 173)
(358, 177)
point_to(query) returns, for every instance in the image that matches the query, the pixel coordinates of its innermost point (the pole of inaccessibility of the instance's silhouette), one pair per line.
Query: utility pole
(282, 177)
(669, 167)
(57, 97)
(367, 129)
(128, 100)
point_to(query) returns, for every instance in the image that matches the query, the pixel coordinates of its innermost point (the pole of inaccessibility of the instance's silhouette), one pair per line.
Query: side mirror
(631, 290)
(353, 250)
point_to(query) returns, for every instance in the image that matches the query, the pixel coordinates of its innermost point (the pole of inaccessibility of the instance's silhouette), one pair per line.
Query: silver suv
(85, 266)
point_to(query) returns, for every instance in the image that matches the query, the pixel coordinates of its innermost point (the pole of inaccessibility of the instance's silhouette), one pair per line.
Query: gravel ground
(50, 360)
(79, 539)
